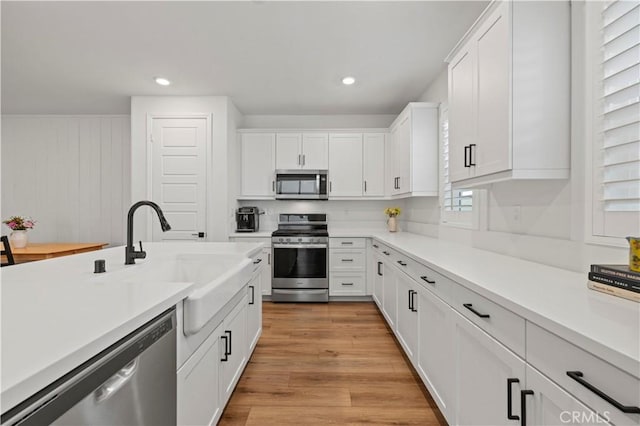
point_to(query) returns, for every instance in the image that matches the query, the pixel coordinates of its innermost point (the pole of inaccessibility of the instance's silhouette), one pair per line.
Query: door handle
(386, 253)
(253, 295)
(471, 160)
(116, 382)
(304, 159)
(299, 162)
(273, 186)
(523, 406)
(466, 156)
(255, 262)
(365, 186)
(379, 265)
(346, 260)
(330, 186)
(410, 292)
(425, 278)
(578, 377)
(228, 332)
(510, 416)
(199, 234)
(469, 306)
(401, 263)
(225, 357)
(347, 283)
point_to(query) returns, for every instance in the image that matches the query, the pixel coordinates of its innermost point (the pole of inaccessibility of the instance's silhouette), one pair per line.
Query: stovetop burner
(299, 232)
(297, 225)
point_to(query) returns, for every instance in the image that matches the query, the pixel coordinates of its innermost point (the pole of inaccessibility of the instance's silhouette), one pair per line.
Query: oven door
(300, 266)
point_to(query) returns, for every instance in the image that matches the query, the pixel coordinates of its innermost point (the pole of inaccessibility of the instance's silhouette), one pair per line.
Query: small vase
(18, 239)
(392, 224)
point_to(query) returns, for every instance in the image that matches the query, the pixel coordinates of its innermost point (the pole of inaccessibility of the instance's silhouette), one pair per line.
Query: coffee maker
(247, 219)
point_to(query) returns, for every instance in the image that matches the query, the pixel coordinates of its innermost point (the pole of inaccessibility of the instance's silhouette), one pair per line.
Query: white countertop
(259, 234)
(56, 313)
(554, 298)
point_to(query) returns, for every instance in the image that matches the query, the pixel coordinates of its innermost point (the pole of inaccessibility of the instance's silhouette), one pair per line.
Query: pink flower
(11, 225)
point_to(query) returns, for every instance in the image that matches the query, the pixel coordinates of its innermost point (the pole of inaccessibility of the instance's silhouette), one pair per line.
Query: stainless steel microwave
(301, 185)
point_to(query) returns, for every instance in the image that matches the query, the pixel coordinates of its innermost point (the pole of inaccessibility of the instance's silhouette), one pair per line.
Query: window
(615, 147)
(457, 204)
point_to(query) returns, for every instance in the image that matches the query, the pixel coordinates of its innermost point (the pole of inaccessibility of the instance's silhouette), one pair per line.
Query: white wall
(317, 121)
(218, 194)
(69, 173)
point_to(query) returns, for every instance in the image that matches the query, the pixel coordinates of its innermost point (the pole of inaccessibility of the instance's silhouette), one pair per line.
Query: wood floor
(319, 364)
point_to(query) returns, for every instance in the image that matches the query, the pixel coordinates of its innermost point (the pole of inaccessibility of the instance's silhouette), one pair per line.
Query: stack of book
(617, 280)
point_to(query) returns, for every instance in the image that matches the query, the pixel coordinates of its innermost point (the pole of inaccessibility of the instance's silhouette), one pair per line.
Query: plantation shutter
(456, 200)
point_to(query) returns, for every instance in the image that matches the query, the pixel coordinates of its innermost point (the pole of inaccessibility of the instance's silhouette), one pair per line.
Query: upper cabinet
(509, 98)
(302, 151)
(356, 164)
(258, 157)
(414, 140)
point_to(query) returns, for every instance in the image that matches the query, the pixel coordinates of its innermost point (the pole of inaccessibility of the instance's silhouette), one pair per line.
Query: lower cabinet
(265, 278)
(483, 367)
(436, 348)
(389, 307)
(407, 325)
(233, 348)
(378, 281)
(254, 309)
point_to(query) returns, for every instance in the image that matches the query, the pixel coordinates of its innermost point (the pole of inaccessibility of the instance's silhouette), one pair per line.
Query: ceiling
(270, 57)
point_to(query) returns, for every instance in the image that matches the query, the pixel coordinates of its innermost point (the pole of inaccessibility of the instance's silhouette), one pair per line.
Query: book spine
(614, 291)
(614, 281)
(614, 272)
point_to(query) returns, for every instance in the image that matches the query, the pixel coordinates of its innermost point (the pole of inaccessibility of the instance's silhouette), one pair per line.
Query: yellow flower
(392, 211)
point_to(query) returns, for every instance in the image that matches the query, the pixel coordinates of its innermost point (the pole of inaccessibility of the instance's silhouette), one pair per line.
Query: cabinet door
(403, 160)
(288, 151)
(389, 307)
(254, 310)
(345, 165)
(407, 327)
(265, 280)
(551, 405)
(233, 348)
(373, 170)
(482, 368)
(493, 151)
(378, 281)
(436, 349)
(461, 113)
(392, 153)
(198, 390)
(315, 151)
(258, 164)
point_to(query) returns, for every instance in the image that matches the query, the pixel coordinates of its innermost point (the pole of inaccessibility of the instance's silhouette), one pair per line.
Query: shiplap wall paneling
(70, 173)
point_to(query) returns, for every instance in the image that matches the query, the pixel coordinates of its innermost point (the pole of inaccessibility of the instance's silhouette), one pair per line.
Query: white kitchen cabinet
(509, 95)
(378, 280)
(254, 309)
(546, 404)
(265, 272)
(436, 364)
(347, 267)
(198, 387)
(258, 163)
(302, 151)
(482, 367)
(345, 165)
(414, 137)
(389, 299)
(233, 348)
(407, 304)
(373, 164)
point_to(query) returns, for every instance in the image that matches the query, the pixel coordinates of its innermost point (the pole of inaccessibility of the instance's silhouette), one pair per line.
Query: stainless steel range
(300, 252)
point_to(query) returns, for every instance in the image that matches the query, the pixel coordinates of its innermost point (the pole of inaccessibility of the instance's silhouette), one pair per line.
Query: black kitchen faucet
(130, 252)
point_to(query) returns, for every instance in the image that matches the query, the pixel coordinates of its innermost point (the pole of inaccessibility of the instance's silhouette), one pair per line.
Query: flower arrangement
(19, 223)
(392, 211)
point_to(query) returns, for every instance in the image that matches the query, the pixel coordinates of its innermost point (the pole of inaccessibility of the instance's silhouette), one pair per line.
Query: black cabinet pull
(523, 406)
(346, 243)
(347, 283)
(229, 340)
(253, 295)
(510, 416)
(466, 156)
(386, 253)
(273, 186)
(365, 186)
(410, 300)
(577, 376)
(375, 246)
(402, 263)
(269, 259)
(346, 260)
(413, 302)
(471, 162)
(469, 306)
(255, 262)
(224, 357)
(379, 265)
(425, 278)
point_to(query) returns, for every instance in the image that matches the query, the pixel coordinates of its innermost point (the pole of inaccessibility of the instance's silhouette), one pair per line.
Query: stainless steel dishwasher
(133, 382)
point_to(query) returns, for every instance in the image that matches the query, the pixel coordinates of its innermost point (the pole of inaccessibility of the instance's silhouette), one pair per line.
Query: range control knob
(299, 239)
(288, 239)
(280, 239)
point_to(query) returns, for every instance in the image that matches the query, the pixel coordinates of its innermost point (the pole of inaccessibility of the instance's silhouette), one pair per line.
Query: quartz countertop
(56, 314)
(259, 234)
(554, 298)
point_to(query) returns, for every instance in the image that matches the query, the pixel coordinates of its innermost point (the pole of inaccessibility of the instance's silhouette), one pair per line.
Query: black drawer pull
(412, 305)
(347, 243)
(255, 262)
(379, 265)
(469, 306)
(523, 405)
(347, 283)
(466, 161)
(577, 376)
(510, 416)
(471, 162)
(375, 246)
(229, 340)
(346, 260)
(224, 357)
(386, 253)
(402, 263)
(425, 278)
(253, 295)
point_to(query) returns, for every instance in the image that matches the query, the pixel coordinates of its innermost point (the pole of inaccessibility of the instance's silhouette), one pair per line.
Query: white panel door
(345, 165)
(482, 368)
(403, 152)
(315, 151)
(258, 164)
(493, 153)
(254, 308)
(462, 119)
(179, 177)
(407, 314)
(288, 151)
(373, 170)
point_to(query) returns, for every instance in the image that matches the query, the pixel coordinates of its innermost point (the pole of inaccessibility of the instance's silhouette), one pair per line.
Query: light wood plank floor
(336, 363)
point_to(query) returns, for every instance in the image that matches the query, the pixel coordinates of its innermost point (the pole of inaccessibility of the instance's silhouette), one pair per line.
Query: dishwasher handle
(116, 382)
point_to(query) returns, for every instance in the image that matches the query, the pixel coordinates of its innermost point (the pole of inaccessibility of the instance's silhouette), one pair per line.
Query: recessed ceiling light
(348, 81)
(162, 81)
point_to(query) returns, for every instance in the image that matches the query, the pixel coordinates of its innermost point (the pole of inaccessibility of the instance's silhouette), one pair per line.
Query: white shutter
(453, 200)
(617, 142)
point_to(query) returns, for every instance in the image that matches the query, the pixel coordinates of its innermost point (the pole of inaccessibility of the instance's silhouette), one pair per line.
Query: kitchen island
(57, 313)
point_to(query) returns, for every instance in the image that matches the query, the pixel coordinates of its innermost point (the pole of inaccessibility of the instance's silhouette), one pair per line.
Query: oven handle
(321, 246)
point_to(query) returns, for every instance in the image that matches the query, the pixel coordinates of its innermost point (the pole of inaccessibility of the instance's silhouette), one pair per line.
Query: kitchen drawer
(554, 357)
(347, 242)
(347, 260)
(501, 323)
(428, 278)
(260, 259)
(347, 284)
